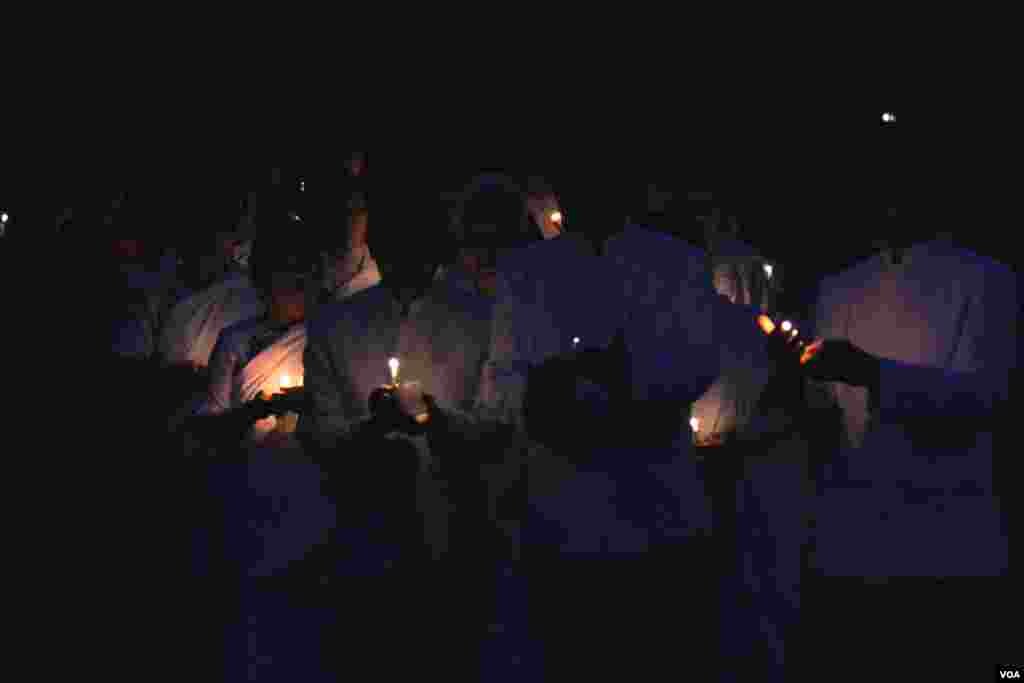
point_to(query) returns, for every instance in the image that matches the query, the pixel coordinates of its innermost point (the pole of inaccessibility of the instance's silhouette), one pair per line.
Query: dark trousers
(951, 629)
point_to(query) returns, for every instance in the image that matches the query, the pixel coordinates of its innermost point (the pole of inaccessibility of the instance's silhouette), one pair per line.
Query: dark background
(812, 198)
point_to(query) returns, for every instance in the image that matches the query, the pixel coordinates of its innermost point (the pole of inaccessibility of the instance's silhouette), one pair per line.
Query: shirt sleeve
(223, 364)
(326, 425)
(503, 380)
(912, 392)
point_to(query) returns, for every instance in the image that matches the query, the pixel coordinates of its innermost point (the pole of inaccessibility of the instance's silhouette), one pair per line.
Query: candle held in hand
(556, 217)
(766, 324)
(286, 382)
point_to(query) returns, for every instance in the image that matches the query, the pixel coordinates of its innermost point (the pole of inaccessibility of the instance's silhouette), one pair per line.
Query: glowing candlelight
(766, 324)
(795, 332)
(556, 217)
(786, 326)
(393, 365)
(695, 424)
(768, 270)
(575, 342)
(286, 382)
(810, 352)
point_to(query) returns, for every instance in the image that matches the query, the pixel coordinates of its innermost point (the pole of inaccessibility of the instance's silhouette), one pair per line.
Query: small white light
(795, 332)
(302, 186)
(888, 117)
(786, 326)
(556, 216)
(3, 217)
(768, 270)
(575, 341)
(694, 424)
(393, 365)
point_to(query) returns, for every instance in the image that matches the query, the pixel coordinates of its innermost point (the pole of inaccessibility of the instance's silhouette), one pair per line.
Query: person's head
(491, 218)
(543, 207)
(280, 268)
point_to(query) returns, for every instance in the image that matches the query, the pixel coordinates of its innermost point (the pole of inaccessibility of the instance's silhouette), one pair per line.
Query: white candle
(575, 342)
(795, 332)
(393, 365)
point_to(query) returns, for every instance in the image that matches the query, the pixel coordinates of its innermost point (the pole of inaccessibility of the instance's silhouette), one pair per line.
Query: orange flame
(766, 324)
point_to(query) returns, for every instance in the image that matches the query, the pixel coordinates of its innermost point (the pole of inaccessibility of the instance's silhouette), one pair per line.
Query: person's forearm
(225, 429)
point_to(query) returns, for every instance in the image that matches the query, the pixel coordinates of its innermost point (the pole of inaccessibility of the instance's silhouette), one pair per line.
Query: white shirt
(898, 501)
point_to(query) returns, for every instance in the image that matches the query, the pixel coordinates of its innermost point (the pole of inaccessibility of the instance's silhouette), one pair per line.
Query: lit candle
(768, 270)
(810, 352)
(393, 365)
(695, 424)
(575, 342)
(786, 326)
(286, 382)
(766, 324)
(556, 217)
(795, 332)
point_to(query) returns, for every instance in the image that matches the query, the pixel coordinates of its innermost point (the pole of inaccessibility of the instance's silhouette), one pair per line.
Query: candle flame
(695, 424)
(786, 326)
(393, 365)
(810, 352)
(795, 332)
(556, 216)
(766, 324)
(768, 270)
(286, 382)
(575, 341)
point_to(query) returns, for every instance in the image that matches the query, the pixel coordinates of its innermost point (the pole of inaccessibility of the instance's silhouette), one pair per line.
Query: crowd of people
(470, 449)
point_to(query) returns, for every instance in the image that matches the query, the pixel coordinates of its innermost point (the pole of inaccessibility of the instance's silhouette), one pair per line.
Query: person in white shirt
(909, 499)
(194, 324)
(617, 510)
(388, 466)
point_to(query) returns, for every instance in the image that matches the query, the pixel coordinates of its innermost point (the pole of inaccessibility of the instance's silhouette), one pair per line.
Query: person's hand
(404, 409)
(290, 400)
(838, 360)
(258, 409)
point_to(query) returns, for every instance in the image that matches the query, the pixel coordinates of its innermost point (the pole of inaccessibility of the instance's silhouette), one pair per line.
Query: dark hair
(498, 207)
(538, 187)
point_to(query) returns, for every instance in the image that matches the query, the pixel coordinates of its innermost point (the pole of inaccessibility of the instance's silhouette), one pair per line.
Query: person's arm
(326, 425)
(223, 364)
